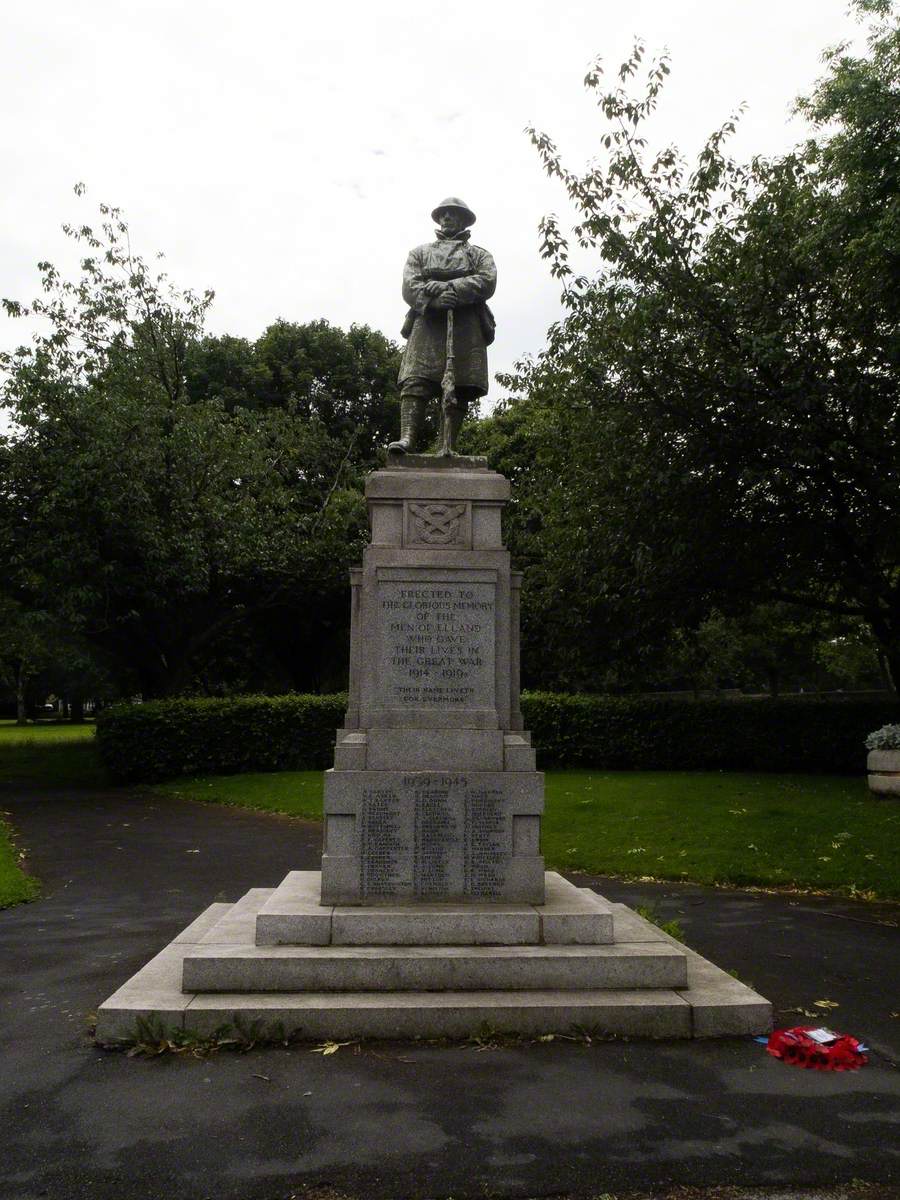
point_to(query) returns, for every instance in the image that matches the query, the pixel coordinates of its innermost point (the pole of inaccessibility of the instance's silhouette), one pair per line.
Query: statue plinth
(435, 462)
(434, 794)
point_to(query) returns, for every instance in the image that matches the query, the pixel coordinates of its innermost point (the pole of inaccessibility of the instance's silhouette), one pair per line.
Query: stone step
(319, 1016)
(243, 968)
(293, 915)
(236, 922)
(713, 1004)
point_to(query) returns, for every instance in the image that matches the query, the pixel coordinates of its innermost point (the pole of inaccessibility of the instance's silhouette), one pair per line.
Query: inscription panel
(437, 643)
(435, 836)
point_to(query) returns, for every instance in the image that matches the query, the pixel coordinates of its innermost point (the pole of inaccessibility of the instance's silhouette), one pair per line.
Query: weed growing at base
(672, 928)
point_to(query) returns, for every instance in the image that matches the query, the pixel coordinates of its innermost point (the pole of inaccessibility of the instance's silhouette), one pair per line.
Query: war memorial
(432, 914)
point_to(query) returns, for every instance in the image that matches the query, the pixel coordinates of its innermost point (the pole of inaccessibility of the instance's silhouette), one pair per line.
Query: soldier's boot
(412, 421)
(451, 423)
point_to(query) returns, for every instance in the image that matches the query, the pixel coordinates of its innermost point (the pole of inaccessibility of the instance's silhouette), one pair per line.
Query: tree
(153, 522)
(766, 647)
(23, 651)
(719, 407)
(345, 380)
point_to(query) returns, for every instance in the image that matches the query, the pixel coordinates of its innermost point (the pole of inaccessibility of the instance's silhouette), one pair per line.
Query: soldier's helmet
(459, 205)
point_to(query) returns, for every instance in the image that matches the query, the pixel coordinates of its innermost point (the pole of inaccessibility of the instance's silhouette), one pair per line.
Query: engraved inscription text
(437, 644)
(434, 836)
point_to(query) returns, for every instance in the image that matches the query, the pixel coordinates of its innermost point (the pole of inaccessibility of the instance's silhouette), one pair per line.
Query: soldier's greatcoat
(473, 278)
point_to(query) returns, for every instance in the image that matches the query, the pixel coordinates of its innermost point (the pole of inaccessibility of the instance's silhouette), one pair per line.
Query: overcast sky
(288, 154)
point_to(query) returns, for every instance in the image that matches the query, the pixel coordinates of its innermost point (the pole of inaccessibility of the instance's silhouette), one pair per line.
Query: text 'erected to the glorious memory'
(437, 644)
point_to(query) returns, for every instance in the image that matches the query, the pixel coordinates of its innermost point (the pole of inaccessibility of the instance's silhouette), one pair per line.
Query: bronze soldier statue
(446, 284)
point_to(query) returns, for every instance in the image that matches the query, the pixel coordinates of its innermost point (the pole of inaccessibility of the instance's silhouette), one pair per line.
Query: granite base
(680, 994)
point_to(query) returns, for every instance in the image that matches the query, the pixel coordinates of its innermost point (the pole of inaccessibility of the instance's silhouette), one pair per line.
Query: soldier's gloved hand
(433, 288)
(445, 300)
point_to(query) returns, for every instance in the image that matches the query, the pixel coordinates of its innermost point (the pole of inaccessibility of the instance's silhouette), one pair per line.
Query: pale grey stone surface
(432, 835)
(712, 1004)
(884, 772)
(628, 926)
(433, 483)
(884, 785)
(238, 924)
(435, 646)
(155, 991)
(884, 760)
(437, 925)
(720, 1004)
(434, 681)
(244, 968)
(293, 915)
(472, 749)
(574, 915)
(518, 755)
(202, 924)
(434, 462)
(351, 751)
(723, 1006)
(523, 791)
(660, 1014)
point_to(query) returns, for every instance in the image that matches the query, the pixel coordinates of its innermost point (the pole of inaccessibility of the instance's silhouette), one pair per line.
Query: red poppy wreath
(817, 1049)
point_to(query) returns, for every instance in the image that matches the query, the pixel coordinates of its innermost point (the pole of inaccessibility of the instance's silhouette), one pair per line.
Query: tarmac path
(124, 871)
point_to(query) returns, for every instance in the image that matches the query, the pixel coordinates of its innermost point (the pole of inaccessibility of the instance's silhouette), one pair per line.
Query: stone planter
(884, 772)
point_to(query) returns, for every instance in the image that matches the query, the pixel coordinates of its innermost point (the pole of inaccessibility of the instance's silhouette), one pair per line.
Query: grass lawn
(50, 755)
(824, 832)
(44, 733)
(15, 885)
(820, 832)
(298, 793)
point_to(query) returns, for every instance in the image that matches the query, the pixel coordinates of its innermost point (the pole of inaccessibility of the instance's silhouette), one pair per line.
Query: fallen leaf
(329, 1048)
(265, 1077)
(826, 1004)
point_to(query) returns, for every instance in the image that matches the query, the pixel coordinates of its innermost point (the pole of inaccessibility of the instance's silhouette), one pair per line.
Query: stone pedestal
(432, 915)
(434, 794)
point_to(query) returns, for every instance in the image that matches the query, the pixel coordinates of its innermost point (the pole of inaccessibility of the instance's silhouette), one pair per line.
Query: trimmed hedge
(637, 733)
(143, 743)
(167, 738)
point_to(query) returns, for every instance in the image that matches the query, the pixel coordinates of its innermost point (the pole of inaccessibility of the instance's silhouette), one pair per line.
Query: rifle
(448, 389)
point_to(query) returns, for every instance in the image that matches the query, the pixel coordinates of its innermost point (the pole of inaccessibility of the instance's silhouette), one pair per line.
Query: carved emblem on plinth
(431, 524)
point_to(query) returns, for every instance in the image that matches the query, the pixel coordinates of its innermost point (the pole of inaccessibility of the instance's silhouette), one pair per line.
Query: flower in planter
(885, 738)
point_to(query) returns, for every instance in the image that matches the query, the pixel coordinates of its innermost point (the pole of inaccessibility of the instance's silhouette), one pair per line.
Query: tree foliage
(160, 494)
(345, 381)
(716, 420)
